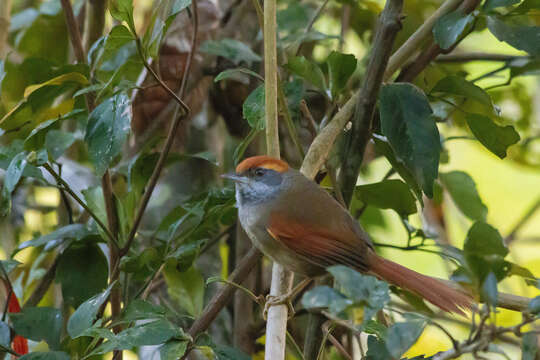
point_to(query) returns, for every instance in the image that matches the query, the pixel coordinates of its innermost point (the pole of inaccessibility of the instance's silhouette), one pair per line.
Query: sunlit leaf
(462, 189)
(450, 27)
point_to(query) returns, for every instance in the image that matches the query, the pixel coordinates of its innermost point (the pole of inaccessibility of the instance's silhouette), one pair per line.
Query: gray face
(257, 185)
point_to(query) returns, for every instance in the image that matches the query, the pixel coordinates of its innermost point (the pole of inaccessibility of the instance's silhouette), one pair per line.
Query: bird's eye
(259, 172)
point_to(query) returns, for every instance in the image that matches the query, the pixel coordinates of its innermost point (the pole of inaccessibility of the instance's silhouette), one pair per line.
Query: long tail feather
(433, 290)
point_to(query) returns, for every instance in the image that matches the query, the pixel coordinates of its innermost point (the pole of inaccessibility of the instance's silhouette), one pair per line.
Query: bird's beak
(234, 177)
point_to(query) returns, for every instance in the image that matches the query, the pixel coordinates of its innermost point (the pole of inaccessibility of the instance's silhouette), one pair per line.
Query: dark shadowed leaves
(340, 68)
(450, 27)
(484, 239)
(82, 271)
(140, 310)
(494, 137)
(173, 349)
(377, 349)
(84, 316)
(224, 352)
(234, 50)
(462, 189)
(388, 194)
(107, 130)
(493, 4)
(57, 142)
(39, 323)
(238, 74)
(407, 122)
(307, 70)
(253, 108)
(521, 37)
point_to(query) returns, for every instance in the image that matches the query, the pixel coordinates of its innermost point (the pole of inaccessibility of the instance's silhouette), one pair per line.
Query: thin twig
(524, 219)
(477, 56)
(43, 286)
(311, 23)
(172, 130)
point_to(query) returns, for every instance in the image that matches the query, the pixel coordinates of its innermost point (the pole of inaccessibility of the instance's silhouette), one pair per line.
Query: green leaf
(489, 290)
(9, 265)
(107, 130)
(151, 333)
(493, 4)
(325, 297)
(12, 176)
(462, 189)
(173, 350)
(178, 5)
(224, 352)
(51, 355)
(72, 77)
(96, 202)
(186, 288)
(401, 336)
(383, 148)
(483, 239)
(253, 109)
(457, 85)
(57, 142)
(361, 289)
(529, 346)
(118, 47)
(340, 68)
(518, 36)
(237, 74)
(82, 271)
(231, 49)
(122, 10)
(307, 70)
(407, 122)
(388, 194)
(39, 323)
(494, 137)
(141, 310)
(84, 316)
(450, 28)
(57, 237)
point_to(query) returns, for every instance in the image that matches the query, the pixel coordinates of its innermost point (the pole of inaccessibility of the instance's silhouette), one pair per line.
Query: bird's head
(258, 178)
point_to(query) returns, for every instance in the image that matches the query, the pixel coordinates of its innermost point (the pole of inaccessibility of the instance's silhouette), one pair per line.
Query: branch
(526, 217)
(433, 50)
(43, 286)
(388, 26)
(477, 56)
(5, 19)
(413, 43)
(225, 293)
(94, 21)
(172, 130)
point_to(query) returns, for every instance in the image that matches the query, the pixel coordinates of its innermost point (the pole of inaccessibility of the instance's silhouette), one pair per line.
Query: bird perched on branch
(300, 226)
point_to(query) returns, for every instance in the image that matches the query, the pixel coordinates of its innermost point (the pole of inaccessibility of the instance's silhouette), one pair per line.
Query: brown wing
(319, 245)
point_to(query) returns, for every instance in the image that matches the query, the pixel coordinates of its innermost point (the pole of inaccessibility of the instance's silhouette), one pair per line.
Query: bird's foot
(284, 299)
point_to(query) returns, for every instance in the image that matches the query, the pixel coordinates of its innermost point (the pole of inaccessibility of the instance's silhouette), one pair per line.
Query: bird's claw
(272, 300)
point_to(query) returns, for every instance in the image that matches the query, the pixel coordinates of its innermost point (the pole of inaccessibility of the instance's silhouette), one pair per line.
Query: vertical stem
(281, 279)
(5, 16)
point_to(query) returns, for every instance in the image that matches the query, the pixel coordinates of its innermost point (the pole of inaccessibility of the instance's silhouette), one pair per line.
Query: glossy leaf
(253, 109)
(140, 310)
(450, 28)
(56, 237)
(340, 68)
(122, 10)
(495, 138)
(83, 272)
(57, 142)
(12, 176)
(521, 37)
(407, 122)
(107, 130)
(388, 194)
(39, 323)
(493, 4)
(151, 333)
(84, 316)
(462, 189)
(307, 70)
(231, 49)
(377, 349)
(457, 85)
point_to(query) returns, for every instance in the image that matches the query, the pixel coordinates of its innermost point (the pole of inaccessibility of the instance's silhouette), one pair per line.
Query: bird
(299, 225)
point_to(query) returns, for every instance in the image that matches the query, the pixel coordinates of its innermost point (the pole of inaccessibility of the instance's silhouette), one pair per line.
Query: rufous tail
(433, 290)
